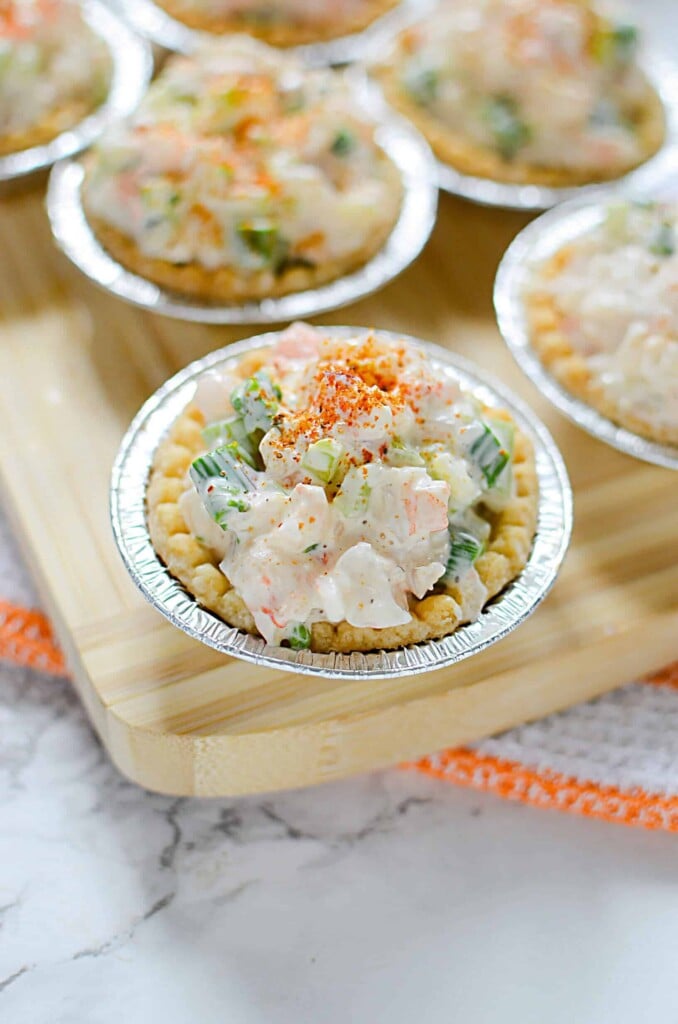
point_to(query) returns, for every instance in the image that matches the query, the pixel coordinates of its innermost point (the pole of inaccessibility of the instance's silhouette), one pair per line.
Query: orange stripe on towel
(513, 781)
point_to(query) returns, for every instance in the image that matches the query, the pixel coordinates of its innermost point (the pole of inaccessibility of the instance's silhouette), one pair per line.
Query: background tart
(228, 284)
(243, 174)
(54, 71)
(438, 614)
(281, 32)
(570, 367)
(465, 155)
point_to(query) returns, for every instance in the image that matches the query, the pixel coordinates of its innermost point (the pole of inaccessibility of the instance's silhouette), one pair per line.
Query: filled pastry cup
(341, 493)
(279, 22)
(55, 70)
(525, 92)
(602, 314)
(243, 175)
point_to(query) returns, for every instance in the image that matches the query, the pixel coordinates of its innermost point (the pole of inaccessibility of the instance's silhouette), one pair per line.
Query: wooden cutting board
(175, 716)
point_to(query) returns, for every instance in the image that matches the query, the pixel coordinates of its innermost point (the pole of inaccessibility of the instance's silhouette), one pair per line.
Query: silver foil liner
(499, 618)
(153, 22)
(406, 148)
(131, 70)
(538, 242)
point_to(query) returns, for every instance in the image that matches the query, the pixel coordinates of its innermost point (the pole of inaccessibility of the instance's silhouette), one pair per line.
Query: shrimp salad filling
(242, 158)
(50, 62)
(301, 20)
(613, 296)
(548, 83)
(343, 479)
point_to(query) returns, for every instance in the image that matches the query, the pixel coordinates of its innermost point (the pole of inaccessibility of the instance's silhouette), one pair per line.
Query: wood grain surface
(76, 364)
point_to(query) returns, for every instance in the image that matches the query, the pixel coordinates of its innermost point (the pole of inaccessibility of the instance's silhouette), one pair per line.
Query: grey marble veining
(385, 898)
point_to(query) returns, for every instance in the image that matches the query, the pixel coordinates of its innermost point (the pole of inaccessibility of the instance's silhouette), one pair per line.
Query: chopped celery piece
(221, 482)
(442, 465)
(509, 131)
(354, 495)
(616, 219)
(264, 240)
(505, 432)
(344, 143)
(400, 455)
(322, 458)
(232, 431)
(423, 86)
(299, 637)
(490, 454)
(464, 550)
(664, 241)
(256, 400)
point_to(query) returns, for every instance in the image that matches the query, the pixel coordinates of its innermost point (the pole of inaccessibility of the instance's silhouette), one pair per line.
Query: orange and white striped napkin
(614, 758)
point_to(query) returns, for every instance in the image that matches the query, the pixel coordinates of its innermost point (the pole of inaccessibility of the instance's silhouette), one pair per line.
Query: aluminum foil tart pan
(406, 148)
(153, 22)
(132, 66)
(536, 243)
(499, 618)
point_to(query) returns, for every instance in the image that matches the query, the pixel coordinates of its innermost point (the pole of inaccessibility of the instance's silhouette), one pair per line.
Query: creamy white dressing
(356, 545)
(618, 298)
(49, 57)
(242, 157)
(551, 82)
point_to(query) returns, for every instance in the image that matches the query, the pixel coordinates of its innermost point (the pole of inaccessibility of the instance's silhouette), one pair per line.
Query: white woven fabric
(627, 739)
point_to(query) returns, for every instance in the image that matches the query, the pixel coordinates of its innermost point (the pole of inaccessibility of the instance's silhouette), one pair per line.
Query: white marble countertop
(391, 898)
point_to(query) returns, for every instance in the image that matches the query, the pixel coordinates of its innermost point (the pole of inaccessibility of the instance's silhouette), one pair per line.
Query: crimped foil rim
(132, 67)
(500, 617)
(403, 144)
(534, 244)
(154, 23)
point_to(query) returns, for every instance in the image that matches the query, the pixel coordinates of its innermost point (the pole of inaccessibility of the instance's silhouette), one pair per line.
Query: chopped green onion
(664, 241)
(256, 400)
(322, 458)
(423, 86)
(464, 550)
(311, 547)
(615, 45)
(344, 143)
(265, 241)
(490, 454)
(299, 637)
(509, 131)
(221, 482)
(232, 431)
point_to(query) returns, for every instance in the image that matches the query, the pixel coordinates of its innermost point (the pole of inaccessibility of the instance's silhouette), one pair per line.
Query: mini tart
(45, 131)
(281, 33)
(243, 175)
(569, 367)
(467, 157)
(226, 284)
(436, 615)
